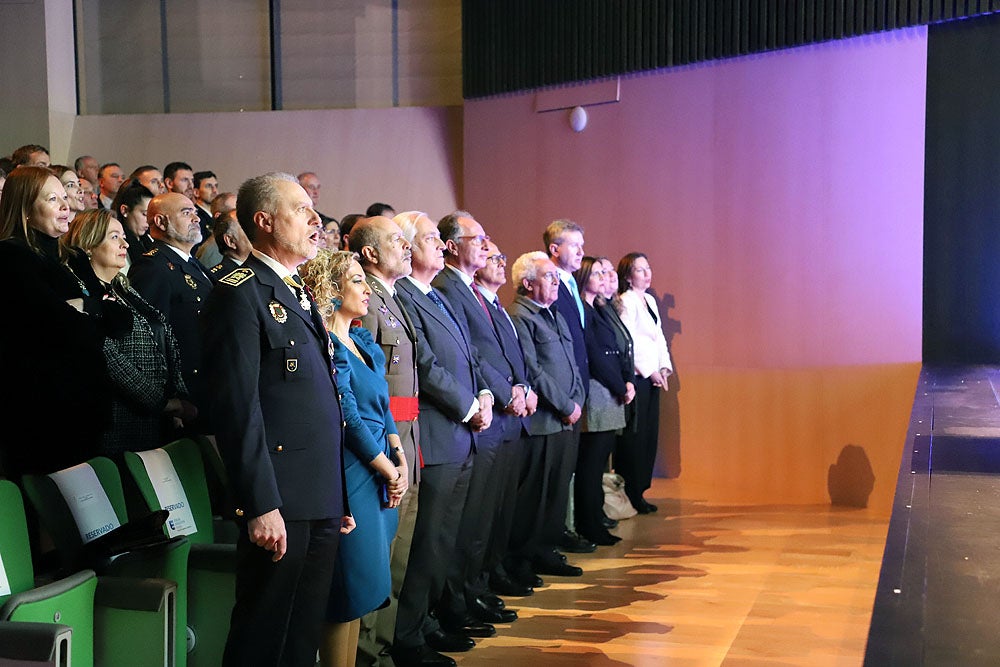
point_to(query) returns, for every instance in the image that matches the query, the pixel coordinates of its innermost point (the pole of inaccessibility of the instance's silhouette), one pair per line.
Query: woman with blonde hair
(149, 398)
(374, 464)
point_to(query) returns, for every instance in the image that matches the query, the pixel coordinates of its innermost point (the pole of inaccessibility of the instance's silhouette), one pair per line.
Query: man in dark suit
(455, 406)
(279, 429)
(465, 606)
(564, 243)
(551, 459)
(235, 246)
(177, 284)
(384, 254)
(489, 280)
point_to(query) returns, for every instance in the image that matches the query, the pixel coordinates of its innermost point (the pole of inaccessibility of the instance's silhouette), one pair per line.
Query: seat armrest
(43, 643)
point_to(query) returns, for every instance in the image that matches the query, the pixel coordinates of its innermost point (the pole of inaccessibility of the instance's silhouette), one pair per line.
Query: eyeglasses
(497, 259)
(551, 276)
(481, 239)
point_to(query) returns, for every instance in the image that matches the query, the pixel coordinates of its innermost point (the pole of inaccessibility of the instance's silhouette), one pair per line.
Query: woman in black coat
(50, 347)
(604, 412)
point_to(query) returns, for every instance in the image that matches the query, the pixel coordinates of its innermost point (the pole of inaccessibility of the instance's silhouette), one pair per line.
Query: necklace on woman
(350, 345)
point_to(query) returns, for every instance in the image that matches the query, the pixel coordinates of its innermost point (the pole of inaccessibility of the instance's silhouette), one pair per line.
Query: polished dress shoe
(468, 627)
(609, 523)
(553, 562)
(507, 586)
(575, 544)
(449, 642)
(642, 507)
(482, 611)
(420, 655)
(526, 576)
(492, 601)
(604, 539)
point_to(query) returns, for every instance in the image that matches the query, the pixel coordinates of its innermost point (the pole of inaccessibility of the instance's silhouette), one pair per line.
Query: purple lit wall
(779, 198)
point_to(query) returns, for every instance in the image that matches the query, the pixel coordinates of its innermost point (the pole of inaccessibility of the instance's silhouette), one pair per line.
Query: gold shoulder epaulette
(238, 277)
(150, 253)
(216, 268)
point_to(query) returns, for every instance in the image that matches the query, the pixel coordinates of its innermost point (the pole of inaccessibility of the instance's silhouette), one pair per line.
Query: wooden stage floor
(701, 583)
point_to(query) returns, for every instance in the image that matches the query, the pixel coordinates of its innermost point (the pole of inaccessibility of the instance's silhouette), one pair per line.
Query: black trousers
(592, 459)
(635, 453)
(466, 566)
(280, 606)
(508, 470)
(443, 489)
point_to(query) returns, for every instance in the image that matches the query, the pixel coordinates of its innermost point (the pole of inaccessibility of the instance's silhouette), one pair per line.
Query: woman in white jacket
(636, 453)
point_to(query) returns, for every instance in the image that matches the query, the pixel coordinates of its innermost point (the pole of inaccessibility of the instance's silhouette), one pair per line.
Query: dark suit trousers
(280, 606)
(465, 568)
(560, 464)
(540, 513)
(635, 453)
(508, 471)
(588, 489)
(443, 489)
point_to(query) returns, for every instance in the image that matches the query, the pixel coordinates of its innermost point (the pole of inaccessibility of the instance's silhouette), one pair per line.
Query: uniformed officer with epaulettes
(174, 282)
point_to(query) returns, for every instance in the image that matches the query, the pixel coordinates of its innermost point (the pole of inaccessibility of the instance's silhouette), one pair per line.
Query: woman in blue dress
(374, 464)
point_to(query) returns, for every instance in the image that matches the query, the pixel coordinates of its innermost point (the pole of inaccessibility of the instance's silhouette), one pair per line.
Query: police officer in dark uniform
(176, 283)
(279, 429)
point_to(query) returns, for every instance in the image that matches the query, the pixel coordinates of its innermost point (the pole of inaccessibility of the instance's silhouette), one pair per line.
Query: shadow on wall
(668, 460)
(851, 479)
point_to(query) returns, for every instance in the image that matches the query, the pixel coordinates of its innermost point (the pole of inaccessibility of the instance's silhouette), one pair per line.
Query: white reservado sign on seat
(169, 491)
(87, 500)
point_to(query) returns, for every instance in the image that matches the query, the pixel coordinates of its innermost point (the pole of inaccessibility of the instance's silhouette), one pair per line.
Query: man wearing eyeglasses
(550, 454)
(467, 606)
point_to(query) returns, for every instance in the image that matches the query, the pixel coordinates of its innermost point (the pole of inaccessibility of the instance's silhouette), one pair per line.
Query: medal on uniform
(304, 300)
(278, 312)
(190, 281)
(392, 321)
(395, 359)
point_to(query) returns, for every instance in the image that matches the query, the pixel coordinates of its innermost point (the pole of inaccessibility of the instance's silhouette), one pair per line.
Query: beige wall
(407, 157)
(779, 198)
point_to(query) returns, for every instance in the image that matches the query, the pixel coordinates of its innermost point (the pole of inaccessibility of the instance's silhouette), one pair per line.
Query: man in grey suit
(455, 406)
(384, 254)
(550, 461)
(467, 604)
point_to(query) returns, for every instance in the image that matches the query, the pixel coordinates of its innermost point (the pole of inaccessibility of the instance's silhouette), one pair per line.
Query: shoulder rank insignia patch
(237, 277)
(150, 253)
(216, 268)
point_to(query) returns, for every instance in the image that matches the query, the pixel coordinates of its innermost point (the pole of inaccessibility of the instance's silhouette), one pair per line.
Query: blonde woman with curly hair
(374, 464)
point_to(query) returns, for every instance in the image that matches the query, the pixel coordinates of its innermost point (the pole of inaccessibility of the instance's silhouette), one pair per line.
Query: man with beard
(177, 284)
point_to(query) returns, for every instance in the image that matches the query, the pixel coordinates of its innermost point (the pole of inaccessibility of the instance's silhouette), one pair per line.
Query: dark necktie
(482, 302)
(496, 304)
(433, 296)
(199, 270)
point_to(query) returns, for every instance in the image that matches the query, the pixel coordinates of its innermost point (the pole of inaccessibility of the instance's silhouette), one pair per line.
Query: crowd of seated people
(474, 433)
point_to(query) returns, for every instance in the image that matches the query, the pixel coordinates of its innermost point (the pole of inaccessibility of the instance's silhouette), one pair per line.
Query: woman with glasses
(635, 456)
(611, 389)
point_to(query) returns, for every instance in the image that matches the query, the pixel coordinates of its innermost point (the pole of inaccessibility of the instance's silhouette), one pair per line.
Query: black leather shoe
(526, 576)
(559, 569)
(421, 655)
(440, 640)
(492, 601)
(575, 544)
(469, 627)
(645, 508)
(481, 611)
(605, 540)
(609, 523)
(507, 586)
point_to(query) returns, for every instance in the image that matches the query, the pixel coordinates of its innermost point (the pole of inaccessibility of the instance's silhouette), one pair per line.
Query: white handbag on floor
(616, 504)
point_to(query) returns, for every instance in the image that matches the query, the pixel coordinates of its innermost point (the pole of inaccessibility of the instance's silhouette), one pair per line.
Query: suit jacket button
(194, 372)
(343, 424)
(279, 448)
(197, 298)
(291, 342)
(510, 379)
(239, 512)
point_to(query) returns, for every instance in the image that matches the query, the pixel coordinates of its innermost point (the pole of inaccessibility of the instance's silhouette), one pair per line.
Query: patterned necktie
(576, 297)
(433, 296)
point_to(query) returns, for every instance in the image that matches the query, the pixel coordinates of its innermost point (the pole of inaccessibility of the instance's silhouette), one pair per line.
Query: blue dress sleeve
(359, 438)
(366, 342)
